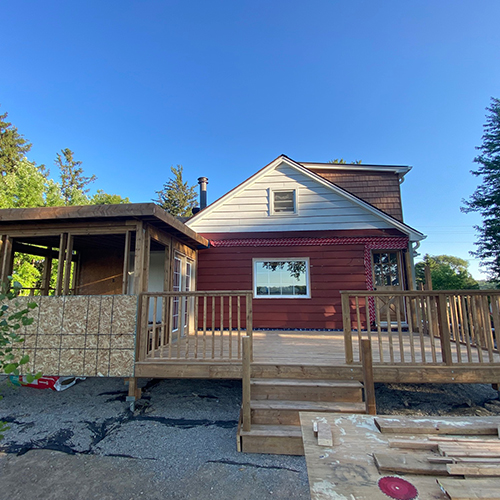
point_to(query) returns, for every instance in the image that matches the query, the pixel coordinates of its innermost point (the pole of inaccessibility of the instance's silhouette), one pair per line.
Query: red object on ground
(54, 383)
(398, 488)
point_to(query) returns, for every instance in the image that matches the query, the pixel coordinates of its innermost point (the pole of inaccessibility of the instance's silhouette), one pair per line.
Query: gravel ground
(180, 442)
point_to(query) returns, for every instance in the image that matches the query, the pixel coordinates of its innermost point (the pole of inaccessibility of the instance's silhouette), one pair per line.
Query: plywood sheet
(81, 335)
(347, 470)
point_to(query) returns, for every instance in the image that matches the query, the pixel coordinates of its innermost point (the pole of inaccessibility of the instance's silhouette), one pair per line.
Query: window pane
(281, 278)
(283, 201)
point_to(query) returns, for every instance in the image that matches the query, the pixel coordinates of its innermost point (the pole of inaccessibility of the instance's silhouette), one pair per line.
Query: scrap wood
(451, 425)
(469, 451)
(452, 460)
(323, 432)
(473, 470)
(413, 444)
(470, 489)
(408, 464)
(470, 439)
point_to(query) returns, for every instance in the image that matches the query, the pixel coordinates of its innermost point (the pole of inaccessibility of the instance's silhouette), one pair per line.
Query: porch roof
(148, 212)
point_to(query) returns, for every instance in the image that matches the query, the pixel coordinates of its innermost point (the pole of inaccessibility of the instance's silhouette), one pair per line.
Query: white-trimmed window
(283, 201)
(281, 278)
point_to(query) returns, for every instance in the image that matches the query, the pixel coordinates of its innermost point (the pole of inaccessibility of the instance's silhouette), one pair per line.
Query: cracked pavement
(179, 443)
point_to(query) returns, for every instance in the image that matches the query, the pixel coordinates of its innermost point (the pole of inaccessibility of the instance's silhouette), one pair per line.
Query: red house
(298, 233)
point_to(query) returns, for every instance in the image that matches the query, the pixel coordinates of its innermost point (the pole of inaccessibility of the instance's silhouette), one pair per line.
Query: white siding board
(319, 208)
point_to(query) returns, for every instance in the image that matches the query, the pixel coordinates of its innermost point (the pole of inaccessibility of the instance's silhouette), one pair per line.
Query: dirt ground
(178, 444)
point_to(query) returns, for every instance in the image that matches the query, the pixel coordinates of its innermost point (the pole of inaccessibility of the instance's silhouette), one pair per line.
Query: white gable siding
(318, 208)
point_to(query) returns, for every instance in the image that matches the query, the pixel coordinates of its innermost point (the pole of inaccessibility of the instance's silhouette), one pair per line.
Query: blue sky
(224, 87)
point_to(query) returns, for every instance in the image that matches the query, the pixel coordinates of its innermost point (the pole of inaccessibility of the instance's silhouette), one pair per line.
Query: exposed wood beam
(67, 264)
(63, 239)
(126, 262)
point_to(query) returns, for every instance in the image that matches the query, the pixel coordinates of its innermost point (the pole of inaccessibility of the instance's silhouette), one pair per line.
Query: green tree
(13, 146)
(102, 198)
(486, 198)
(341, 161)
(447, 273)
(12, 317)
(28, 186)
(177, 197)
(73, 183)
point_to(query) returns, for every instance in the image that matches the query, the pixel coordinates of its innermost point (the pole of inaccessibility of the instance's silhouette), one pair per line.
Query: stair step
(275, 439)
(306, 390)
(278, 412)
(273, 430)
(305, 382)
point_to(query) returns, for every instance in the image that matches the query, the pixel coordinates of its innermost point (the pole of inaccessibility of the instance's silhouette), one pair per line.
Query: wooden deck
(308, 354)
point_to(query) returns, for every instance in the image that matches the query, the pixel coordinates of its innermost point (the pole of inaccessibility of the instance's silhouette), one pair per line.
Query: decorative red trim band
(382, 243)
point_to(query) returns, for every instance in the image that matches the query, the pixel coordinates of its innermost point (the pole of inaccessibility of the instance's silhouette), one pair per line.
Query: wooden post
(47, 269)
(428, 277)
(67, 264)
(249, 322)
(245, 382)
(346, 320)
(444, 329)
(147, 256)
(369, 385)
(139, 258)
(63, 240)
(126, 262)
(7, 255)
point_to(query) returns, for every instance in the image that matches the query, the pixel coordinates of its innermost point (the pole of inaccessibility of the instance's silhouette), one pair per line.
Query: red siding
(332, 268)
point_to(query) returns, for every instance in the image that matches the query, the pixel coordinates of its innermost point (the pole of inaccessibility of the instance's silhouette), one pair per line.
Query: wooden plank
(369, 386)
(432, 327)
(450, 425)
(470, 489)
(408, 464)
(126, 262)
(139, 258)
(246, 410)
(46, 273)
(63, 239)
(67, 264)
(413, 444)
(346, 319)
(462, 469)
(444, 329)
(324, 434)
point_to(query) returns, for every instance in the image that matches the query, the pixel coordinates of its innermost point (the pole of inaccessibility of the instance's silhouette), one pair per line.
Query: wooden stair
(275, 405)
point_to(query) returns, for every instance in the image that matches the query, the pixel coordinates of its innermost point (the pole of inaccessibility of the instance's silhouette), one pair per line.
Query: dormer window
(284, 202)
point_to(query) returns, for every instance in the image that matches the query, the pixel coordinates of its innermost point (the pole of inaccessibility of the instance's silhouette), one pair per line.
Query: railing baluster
(196, 312)
(400, 330)
(477, 328)
(379, 329)
(204, 327)
(213, 327)
(239, 326)
(389, 329)
(230, 326)
(420, 330)
(410, 329)
(496, 321)
(487, 327)
(431, 329)
(221, 326)
(465, 326)
(456, 326)
(358, 319)
(155, 310)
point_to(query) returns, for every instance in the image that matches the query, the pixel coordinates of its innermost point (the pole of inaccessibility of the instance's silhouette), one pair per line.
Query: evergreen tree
(13, 146)
(486, 198)
(177, 197)
(73, 183)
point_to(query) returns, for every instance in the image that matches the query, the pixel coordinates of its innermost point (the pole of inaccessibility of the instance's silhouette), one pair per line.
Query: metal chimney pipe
(203, 181)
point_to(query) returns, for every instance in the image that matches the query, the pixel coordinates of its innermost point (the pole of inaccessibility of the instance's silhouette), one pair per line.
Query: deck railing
(439, 327)
(193, 325)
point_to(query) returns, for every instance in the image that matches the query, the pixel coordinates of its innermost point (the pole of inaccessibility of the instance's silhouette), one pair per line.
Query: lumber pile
(464, 454)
